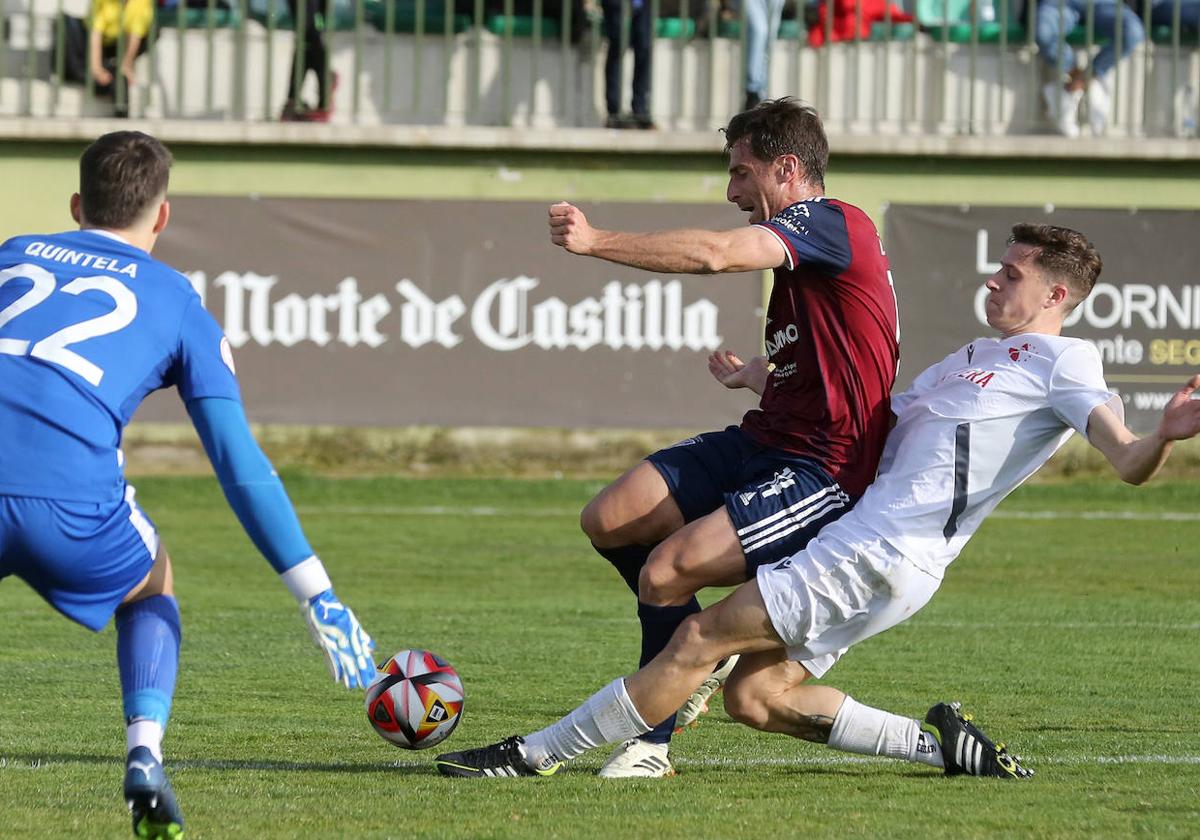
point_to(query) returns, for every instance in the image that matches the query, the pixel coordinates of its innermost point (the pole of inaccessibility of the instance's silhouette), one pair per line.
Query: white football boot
(637, 759)
(697, 704)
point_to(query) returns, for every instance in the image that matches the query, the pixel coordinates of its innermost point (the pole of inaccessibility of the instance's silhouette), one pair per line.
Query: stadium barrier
(959, 69)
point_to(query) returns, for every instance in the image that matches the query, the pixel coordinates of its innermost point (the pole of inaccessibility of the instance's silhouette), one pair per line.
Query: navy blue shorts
(777, 500)
(82, 558)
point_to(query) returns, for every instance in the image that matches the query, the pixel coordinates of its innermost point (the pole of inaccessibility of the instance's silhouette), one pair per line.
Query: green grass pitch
(1072, 634)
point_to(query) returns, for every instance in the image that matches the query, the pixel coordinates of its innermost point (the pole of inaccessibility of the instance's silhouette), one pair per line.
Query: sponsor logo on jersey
(782, 338)
(789, 219)
(977, 375)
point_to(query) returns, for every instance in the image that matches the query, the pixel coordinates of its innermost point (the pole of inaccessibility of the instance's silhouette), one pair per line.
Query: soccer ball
(416, 700)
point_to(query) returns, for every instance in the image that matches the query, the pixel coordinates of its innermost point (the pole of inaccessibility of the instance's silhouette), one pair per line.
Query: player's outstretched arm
(1135, 459)
(732, 372)
(670, 251)
(257, 497)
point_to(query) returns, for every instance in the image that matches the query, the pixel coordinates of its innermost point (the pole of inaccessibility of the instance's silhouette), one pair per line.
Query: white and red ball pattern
(416, 700)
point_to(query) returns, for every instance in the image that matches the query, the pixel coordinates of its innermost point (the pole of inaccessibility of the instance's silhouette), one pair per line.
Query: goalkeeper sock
(867, 731)
(658, 625)
(148, 636)
(607, 716)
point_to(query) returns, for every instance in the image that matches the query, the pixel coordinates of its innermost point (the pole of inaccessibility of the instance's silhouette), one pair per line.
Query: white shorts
(835, 593)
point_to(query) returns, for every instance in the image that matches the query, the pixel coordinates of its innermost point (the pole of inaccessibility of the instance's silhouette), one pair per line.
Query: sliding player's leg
(620, 710)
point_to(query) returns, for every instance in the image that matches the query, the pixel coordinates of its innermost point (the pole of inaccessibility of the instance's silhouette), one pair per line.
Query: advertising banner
(459, 313)
(1143, 315)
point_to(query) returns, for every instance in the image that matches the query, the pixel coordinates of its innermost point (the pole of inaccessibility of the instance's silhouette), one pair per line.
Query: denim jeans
(1074, 12)
(762, 25)
(639, 41)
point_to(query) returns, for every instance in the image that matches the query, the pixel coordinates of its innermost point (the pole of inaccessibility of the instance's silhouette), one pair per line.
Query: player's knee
(597, 524)
(660, 583)
(744, 704)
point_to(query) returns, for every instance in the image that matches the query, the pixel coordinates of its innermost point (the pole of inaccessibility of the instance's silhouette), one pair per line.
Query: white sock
(144, 733)
(867, 731)
(607, 716)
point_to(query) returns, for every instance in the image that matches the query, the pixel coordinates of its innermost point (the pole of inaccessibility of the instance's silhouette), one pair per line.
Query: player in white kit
(968, 431)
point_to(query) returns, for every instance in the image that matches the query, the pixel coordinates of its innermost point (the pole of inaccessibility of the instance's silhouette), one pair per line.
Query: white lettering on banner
(981, 259)
(630, 317)
(423, 319)
(1133, 304)
(503, 317)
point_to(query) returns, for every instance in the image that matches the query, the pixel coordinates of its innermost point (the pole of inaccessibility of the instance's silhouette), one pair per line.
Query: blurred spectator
(310, 15)
(762, 25)
(638, 19)
(851, 18)
(95, 45)
(1162, 13)
(1066, 91)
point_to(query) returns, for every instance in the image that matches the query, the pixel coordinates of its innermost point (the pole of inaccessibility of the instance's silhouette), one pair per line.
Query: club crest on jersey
(1014, 353)
(977, 375)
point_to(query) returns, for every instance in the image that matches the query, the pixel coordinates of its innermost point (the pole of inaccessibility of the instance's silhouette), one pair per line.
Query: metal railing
(953, 68)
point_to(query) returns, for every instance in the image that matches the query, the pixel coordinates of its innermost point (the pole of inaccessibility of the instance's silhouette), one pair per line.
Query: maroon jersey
(833, 337)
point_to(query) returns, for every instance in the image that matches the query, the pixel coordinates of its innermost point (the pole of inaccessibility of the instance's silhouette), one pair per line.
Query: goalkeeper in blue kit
(90, 324)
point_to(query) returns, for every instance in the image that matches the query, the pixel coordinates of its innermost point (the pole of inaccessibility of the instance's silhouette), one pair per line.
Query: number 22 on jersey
(53, 348)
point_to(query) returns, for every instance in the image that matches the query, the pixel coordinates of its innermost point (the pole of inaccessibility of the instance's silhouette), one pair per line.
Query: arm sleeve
(814, 234)
(1077, 386)
(204, 359)
(249, 482)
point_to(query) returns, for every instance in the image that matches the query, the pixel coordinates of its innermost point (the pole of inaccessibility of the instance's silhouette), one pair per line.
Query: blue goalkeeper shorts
(82, 558)
(777, 500)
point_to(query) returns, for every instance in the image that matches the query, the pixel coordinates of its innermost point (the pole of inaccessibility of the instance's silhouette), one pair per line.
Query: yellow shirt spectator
(107, 18)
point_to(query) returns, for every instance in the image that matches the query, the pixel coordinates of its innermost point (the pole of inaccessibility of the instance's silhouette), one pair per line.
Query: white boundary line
(764, 761)
(516, 513)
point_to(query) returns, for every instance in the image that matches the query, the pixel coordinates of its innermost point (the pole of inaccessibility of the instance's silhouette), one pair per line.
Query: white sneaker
(697, 704)
(637, 759)
(1063, 107)
(1099, 106)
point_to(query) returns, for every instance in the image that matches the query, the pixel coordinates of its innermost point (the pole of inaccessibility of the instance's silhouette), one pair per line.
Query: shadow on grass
(415, 766)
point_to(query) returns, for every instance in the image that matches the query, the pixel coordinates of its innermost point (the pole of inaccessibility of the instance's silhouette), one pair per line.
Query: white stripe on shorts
(796, 517)
(139, 521)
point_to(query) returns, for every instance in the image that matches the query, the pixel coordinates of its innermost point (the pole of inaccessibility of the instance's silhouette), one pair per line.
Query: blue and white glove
(337, 632)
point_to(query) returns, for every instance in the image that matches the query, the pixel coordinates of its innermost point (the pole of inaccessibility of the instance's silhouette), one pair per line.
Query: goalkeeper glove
(337, 632)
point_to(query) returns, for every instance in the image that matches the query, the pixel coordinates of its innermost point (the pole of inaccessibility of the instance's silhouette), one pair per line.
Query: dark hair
(783, 126)
(1064, 254)
(120, 175)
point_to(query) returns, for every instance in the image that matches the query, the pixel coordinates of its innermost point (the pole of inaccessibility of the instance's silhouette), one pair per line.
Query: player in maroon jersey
(711, 509)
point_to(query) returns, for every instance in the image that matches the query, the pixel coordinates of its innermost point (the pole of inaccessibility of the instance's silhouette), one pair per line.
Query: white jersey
(969, 430)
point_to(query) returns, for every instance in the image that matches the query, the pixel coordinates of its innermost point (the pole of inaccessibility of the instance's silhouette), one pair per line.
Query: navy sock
(658, 625)
(148, 634)
(628, 561)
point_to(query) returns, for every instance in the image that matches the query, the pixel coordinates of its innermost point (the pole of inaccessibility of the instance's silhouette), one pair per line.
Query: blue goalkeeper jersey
(89, 325)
